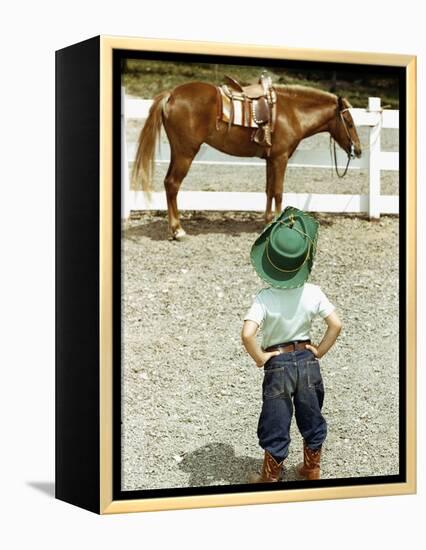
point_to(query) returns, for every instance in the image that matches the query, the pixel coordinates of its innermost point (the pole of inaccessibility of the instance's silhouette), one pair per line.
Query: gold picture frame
(99, 497)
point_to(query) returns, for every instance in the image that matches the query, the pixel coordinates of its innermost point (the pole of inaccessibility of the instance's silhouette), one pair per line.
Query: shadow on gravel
(157, 229)
(216, 463)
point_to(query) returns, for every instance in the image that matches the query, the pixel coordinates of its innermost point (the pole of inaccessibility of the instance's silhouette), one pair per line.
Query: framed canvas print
(235, 274)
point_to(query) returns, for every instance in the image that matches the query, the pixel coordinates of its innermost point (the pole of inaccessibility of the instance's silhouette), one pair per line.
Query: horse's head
(343, 129)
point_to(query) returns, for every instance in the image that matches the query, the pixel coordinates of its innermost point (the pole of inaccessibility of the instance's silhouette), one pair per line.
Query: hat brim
(268, 272)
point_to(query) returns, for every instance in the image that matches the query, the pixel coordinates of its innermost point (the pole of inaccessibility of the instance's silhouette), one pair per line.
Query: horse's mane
(305, 93)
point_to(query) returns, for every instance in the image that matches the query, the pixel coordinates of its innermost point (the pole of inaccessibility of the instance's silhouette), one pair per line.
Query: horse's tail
(143, 167)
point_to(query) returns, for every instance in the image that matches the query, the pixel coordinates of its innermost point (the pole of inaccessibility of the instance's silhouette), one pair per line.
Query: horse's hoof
(179, 235)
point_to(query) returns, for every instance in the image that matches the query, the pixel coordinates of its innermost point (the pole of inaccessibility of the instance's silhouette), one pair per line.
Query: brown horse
(189, 116)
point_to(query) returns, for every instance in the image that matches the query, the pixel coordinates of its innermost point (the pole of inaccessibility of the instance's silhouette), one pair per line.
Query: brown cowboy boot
(271, 471)
(310, 467)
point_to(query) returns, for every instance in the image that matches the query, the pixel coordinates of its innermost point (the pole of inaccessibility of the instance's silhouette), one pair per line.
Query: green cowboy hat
(283, 253)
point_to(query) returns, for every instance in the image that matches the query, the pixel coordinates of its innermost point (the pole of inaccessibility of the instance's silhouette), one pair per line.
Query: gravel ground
(191, 394)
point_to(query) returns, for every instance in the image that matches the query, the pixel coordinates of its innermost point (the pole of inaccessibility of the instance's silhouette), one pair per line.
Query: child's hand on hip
(266, 355)
(314, 350)
(334, 326)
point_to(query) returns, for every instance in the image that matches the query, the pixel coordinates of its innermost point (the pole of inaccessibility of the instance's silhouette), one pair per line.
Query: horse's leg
(278, 168)
(178, 168)
(269, 192)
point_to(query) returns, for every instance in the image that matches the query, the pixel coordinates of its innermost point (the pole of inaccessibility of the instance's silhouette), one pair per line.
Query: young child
(283, 256)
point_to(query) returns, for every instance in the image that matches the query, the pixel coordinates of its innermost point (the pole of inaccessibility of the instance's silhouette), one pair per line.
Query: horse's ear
(340, 102)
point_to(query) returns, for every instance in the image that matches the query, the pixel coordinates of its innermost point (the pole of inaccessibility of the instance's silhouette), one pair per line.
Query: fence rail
(374, 160)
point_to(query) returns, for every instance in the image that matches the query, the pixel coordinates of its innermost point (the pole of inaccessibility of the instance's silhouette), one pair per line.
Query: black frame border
(77, 375)
(399, 73)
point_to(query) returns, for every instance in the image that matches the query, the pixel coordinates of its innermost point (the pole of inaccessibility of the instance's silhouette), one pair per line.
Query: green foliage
(147, 78)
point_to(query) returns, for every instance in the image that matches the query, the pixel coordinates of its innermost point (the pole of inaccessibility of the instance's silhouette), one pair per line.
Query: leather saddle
(260, 99)
(254, 91)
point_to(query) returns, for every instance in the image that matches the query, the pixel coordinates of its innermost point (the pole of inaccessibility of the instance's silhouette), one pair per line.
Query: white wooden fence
(373, 160)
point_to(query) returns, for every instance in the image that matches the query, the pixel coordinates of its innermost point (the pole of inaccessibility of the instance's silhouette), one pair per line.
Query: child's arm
(334, 326)
(248, 336)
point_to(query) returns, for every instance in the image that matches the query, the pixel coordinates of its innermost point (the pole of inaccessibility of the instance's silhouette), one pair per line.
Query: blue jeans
(291, 378)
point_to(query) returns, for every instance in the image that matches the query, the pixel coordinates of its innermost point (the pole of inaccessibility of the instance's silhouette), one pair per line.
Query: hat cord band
(291, 226)
(288, 270)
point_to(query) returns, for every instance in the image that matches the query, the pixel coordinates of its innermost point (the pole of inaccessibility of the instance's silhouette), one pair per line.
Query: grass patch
(147, 78)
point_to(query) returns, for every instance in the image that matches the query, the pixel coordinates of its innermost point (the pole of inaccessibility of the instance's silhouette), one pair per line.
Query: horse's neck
(314, 121)
(313, 116)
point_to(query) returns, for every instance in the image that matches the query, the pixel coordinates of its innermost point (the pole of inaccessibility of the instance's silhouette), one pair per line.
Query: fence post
(374, 106)
(125, 183)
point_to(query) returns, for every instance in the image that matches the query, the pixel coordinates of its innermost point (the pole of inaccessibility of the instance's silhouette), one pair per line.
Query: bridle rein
(351, 154)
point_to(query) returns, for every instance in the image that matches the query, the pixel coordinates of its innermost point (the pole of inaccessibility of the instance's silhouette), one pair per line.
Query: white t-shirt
(286, 314)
